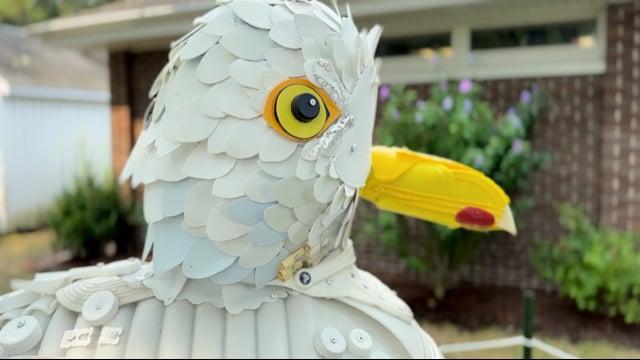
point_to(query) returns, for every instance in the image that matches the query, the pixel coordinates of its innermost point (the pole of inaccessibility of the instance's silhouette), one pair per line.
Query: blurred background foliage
(92, 220)
(22, 12)
(596, 267)
(455, 122)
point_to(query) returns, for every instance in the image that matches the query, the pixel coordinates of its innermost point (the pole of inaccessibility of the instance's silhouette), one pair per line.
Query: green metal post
(528, 303)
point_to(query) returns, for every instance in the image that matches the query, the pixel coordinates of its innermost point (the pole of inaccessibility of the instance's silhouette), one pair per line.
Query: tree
(23, 12)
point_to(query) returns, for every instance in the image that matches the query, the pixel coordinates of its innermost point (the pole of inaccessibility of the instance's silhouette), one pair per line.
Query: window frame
(516, 62)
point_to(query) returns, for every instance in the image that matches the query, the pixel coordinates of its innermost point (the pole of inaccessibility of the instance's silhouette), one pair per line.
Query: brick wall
(620, 188)
(570, 130)
(131, 77)
(590, 128)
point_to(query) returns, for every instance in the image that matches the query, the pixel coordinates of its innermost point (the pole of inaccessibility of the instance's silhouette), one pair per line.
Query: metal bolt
(20, 324)
(305, 278)
(354, 147)
(333, 340)
(99, 306)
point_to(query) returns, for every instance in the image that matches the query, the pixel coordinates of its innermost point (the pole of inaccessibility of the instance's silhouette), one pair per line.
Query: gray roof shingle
(26, 61)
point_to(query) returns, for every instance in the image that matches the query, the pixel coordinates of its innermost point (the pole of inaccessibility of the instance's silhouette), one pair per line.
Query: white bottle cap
(330, 343)
(360, 342)
(20, 335)
(100, 308)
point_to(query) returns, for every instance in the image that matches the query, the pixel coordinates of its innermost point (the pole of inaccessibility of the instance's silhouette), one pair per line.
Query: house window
(427, 46)
(581, 33)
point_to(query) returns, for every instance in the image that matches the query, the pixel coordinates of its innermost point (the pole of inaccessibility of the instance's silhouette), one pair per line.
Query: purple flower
(465, 86)
(517, 146)
(447, 103)
(384, 92)
(468, 106)
(418, 117)
(443, 85)
(525, 97)
(420, 104)
(514, 119)
(395, 115)
(478, 160)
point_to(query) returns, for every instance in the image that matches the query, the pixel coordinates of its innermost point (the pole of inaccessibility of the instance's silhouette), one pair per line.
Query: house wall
(570, 131)
(61, 135)
(590, 128)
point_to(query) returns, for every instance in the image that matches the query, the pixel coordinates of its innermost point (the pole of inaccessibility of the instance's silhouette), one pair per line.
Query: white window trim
(54, 93)
(527, 62)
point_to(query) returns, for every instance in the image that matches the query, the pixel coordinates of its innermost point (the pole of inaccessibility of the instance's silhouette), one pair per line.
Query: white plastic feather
(214, 66)
(247, 73)
(254, 13)
(247, 42)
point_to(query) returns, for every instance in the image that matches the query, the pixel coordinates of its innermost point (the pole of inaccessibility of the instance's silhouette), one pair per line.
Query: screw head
(20, 324)
(304, 278)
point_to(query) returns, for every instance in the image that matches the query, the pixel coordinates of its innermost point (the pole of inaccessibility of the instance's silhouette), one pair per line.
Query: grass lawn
(21, 255)
(450, 334)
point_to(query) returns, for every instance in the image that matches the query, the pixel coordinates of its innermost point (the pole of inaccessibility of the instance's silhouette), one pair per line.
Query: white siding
(43, 144)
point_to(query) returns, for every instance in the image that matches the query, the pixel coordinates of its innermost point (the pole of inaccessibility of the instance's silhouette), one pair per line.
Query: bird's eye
(299, 110)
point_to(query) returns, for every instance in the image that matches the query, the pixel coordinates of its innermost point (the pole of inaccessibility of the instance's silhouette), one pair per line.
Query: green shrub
(597, 268)
(455, 122)
(91, 215)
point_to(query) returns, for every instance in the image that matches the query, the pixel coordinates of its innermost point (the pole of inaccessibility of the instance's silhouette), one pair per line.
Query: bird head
(257, 141)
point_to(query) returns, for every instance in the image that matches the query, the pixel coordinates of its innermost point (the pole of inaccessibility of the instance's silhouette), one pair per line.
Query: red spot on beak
(475, 217)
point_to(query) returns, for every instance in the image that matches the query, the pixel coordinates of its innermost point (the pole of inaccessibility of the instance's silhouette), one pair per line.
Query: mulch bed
(471, 307)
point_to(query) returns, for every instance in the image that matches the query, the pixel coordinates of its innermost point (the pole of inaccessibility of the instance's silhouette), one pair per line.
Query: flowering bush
(454, 122)
(597, 268)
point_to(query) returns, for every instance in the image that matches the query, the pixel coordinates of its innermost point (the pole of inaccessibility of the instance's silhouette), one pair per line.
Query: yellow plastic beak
(437, 190)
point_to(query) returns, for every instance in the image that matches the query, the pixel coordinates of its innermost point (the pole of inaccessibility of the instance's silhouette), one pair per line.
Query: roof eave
(105, 29)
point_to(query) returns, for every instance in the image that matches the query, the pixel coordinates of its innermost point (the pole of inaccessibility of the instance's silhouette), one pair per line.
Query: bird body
(256, 145)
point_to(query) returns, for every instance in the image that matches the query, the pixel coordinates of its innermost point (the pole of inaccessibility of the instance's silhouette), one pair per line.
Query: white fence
(43, 143)
(505, 343)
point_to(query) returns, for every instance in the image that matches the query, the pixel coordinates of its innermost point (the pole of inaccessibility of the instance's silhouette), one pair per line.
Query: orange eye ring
(287, 126)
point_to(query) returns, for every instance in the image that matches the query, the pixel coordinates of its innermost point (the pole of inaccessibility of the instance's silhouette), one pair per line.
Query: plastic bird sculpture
(256, 146)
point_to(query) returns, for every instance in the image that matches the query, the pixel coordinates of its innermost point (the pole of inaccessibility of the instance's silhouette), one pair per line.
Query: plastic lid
(100, 308)
(20, 335)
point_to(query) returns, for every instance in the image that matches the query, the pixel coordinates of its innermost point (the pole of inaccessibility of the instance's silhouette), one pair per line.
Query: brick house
(584, 53)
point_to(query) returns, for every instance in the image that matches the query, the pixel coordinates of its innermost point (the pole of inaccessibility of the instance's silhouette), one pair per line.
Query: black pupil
(305, 107)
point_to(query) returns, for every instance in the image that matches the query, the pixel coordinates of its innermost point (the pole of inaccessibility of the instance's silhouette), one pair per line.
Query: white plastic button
(100, 308)
(330, 343)
(16, 300)
(20, 335)
(360, 342)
